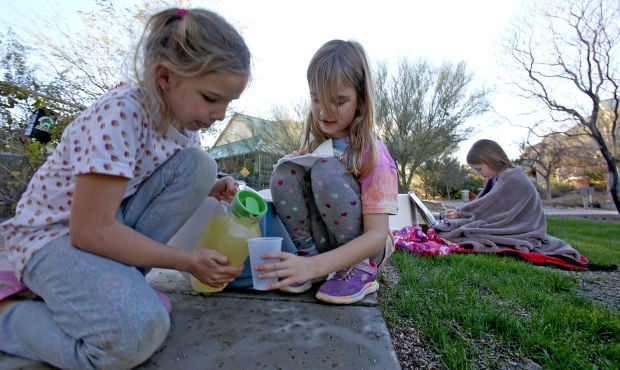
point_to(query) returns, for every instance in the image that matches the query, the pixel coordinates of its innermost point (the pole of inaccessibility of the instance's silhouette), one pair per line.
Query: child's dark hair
(344, 61)
(490, 153)
(190, 42)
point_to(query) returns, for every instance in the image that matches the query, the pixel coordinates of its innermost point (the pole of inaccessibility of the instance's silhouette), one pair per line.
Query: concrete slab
(240, 329)
(245, 329)
(241, 333)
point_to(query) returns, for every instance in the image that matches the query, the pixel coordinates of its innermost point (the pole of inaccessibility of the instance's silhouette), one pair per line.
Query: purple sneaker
(350, 284)
(297, 288)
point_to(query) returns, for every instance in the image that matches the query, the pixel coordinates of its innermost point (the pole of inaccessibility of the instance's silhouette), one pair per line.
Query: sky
(283, 35)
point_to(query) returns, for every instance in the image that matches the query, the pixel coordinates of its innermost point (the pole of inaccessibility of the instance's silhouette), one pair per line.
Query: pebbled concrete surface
(244, 329)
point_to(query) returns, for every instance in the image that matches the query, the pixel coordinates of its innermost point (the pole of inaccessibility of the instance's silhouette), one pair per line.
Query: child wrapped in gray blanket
(506, 214)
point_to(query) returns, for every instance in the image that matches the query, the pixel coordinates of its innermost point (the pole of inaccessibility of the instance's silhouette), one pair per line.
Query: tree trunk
(548, 187)
(612, 182)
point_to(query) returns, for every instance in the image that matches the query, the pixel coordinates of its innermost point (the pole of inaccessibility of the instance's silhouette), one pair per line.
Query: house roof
(245, 146)
(236, 120)
(244, 134)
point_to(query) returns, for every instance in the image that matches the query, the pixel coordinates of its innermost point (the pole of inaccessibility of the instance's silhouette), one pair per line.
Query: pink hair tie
(182, 12)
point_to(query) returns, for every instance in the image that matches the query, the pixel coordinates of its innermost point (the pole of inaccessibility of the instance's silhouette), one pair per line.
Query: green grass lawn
(470, 307)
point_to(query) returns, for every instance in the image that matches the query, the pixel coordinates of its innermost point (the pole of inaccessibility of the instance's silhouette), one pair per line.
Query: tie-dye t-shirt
(114, 137)
(380, 187)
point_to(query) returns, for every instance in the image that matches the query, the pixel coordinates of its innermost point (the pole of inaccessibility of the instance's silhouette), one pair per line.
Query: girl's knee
(153, 334)
(287, 169)
(198, 167)
(286, 175)
(136, 343)
(327, 169)
(204, 165)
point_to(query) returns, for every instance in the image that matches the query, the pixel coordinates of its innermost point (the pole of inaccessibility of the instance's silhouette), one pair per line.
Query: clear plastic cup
(257, 247)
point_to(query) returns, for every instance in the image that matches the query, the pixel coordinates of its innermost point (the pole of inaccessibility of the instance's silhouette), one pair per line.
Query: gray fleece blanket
(506, 215)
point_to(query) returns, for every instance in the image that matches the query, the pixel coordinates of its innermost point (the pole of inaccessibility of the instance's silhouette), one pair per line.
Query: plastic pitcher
(228, 230)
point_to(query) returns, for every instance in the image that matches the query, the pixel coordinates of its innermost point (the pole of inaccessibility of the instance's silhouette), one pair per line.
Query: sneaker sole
(348, 299)
(297, 289)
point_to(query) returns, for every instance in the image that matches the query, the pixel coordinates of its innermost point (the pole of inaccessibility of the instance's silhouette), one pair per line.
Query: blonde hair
(191, 43)
(490, 153)
(339, 61)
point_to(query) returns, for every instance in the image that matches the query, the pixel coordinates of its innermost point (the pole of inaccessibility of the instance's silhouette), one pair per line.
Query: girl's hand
(452, 213)
(291, 269)
(213, 268)
(224, 189)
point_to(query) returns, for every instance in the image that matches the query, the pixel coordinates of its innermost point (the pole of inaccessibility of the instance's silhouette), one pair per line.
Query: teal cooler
(271, 225)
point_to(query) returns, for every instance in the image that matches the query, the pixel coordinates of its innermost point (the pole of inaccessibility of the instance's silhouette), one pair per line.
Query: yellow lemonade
(228, 236)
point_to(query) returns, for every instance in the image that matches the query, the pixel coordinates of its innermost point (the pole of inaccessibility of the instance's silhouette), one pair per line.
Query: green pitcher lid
(249, 204)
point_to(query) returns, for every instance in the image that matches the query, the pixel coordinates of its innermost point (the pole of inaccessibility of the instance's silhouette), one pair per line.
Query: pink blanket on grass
(415, 240)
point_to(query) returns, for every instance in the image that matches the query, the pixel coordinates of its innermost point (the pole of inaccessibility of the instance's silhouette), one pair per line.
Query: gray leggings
(97, 313)
(321, 206)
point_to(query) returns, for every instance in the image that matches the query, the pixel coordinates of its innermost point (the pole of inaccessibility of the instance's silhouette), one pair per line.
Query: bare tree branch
(572, 69)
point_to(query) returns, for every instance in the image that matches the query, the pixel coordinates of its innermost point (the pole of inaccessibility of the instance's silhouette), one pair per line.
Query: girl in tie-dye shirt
(337, 211)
